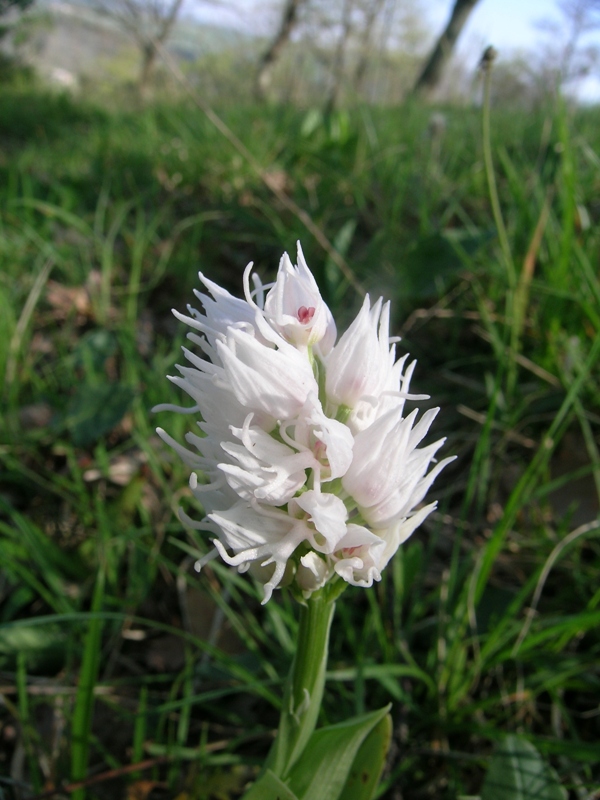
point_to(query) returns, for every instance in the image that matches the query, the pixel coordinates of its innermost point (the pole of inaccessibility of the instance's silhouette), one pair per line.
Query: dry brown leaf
(35, 415)
(165, 654)
(278, 180)
(141, 789)
(41, 344)
(66, 299)
(121, 470)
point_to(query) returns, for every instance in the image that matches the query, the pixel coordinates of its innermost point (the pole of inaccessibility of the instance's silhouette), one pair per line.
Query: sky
(512, 25)
(509, 25)
(507, 20)
(506, 23)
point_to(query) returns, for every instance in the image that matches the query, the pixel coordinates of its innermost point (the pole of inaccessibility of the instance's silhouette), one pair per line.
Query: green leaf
(428, 265)
(312, 121)
(81, 724)
(42, 648)
(518, 772)
(368, 764)
(95, 409)
(93, 349)
(269, 787)
(335, 282)
(326, 763)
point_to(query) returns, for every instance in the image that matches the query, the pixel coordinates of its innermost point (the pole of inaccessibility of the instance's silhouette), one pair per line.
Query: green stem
(304, 688)
(511, 272)
(491, 180)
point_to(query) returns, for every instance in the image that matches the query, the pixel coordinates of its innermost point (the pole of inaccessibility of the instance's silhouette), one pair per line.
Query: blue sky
(506, 23)
(513, 25)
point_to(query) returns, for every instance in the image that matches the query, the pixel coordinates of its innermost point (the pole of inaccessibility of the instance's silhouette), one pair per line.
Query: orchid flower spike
(304, 463)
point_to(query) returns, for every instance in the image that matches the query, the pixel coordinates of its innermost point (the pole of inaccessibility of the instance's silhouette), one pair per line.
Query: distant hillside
(71, 38)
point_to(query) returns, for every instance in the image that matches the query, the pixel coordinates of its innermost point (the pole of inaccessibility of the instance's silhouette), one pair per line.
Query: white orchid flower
(302, 459)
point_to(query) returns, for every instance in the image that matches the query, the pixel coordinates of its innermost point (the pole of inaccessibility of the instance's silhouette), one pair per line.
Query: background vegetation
(125, 674)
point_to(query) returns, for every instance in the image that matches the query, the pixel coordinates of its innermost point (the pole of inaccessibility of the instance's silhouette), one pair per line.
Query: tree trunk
(149, 54)
(147, 69)
(432, 73)
(164, 30)
(365, 45)
(339, 59)
(267, 62)
(149, 49)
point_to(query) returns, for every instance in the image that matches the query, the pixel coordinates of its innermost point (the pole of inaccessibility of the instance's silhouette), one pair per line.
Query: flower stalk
(305, 684)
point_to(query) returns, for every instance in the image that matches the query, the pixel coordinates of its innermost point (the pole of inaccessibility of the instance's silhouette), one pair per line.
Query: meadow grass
(114, 654)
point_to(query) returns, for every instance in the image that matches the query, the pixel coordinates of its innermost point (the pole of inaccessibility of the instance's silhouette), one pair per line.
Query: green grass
(113, 651)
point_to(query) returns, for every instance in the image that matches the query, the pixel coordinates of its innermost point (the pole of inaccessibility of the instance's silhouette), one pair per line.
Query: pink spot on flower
(320, 451)
(305, 314)
(349, 551)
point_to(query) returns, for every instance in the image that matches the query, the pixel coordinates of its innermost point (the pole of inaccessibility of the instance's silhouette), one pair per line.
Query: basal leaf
(518, 772)
(95, 409)
(326, 763)
(368, 764)
(43, 647)
(269, 787)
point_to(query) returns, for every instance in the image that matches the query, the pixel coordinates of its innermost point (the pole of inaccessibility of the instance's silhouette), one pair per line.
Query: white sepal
(360, 363)
(295, 309)
(274, 382)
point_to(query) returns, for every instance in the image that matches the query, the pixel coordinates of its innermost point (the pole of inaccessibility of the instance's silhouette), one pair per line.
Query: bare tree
(342, 44)
(148, 22)
(568, 55)
(372, 11)
(433, 70)
(6, 5)
(355, 24)
(339, 56)
(289, 20)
